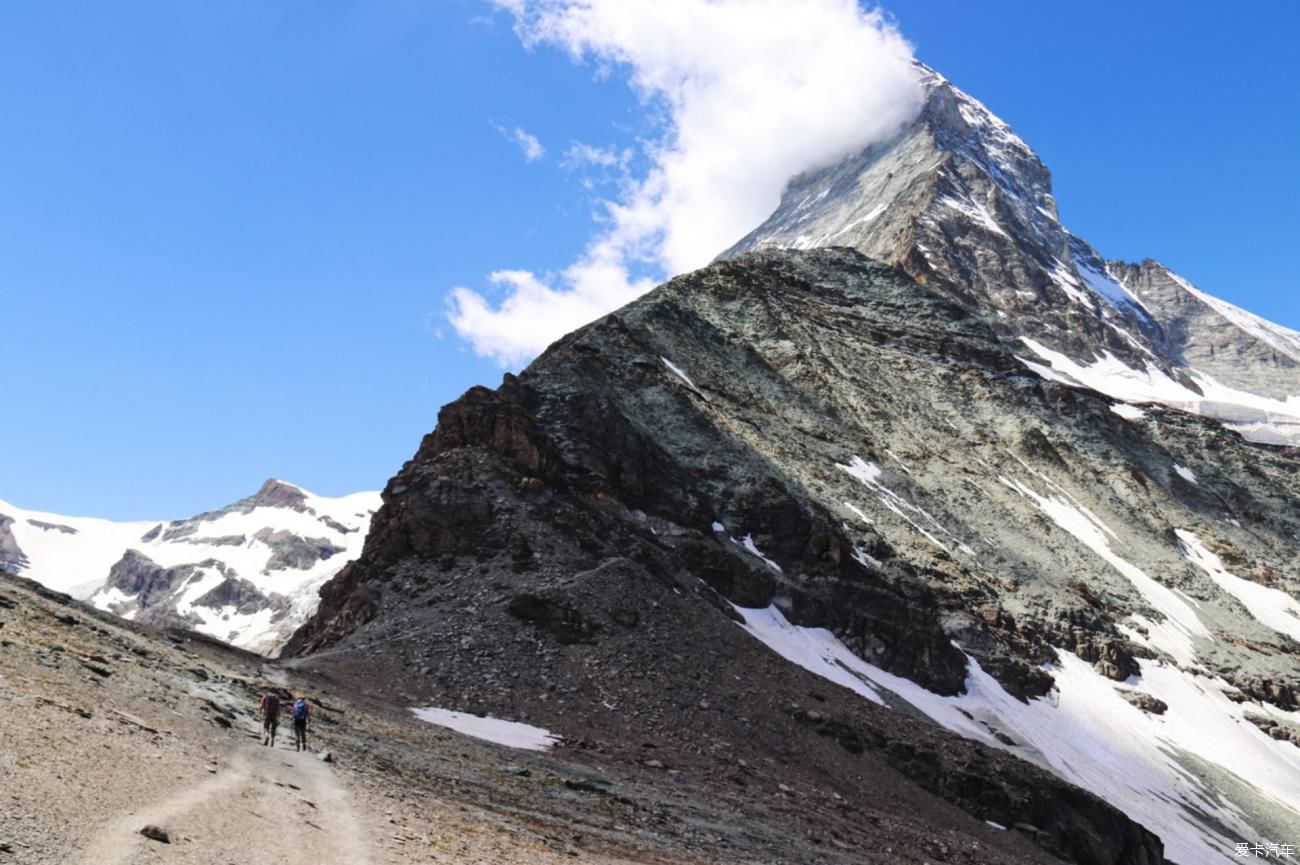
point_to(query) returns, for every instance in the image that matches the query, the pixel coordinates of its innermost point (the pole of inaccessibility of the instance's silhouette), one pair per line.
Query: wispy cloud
(527, 143)
(581, 155)
(745, 94)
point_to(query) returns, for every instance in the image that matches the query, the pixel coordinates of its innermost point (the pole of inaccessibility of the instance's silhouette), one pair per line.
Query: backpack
(271, 705)
(300, 710)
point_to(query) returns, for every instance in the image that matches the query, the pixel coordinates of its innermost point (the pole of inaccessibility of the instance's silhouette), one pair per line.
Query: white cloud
(525, 141)
(748, 93)
(580, 155)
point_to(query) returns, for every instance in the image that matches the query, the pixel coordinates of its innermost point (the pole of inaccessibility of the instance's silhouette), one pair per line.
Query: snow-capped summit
(961, 203)
(246, 573)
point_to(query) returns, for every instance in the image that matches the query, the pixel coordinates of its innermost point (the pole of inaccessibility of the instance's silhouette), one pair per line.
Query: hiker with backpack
(269, 709)
(301, 712)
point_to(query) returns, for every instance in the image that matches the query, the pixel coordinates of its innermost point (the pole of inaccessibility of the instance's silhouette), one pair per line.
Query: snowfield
(76, 554)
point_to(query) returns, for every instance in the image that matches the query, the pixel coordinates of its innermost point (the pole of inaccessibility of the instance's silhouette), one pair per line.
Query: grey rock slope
(1202, 332)
(961, 203)
(818, 440)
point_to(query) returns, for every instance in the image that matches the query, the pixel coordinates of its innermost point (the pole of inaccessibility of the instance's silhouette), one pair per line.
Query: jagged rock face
(817, 432)
(1235, 347)
(138, 575)
(247, 573)
(962, 204)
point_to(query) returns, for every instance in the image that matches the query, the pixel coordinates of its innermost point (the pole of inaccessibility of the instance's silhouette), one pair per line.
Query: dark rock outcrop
(290, 550)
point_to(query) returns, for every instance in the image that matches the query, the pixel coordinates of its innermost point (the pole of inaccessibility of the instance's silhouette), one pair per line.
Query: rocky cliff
(812, 452)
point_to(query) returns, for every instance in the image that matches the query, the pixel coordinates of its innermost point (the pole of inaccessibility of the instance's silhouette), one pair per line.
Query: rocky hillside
(811, 451)
(247, 573)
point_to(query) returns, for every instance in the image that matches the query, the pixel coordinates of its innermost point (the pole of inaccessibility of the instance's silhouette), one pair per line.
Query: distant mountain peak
(278, 494)
(246, 573)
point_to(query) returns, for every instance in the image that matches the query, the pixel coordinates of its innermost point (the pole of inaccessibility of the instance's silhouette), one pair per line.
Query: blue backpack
(300, 710)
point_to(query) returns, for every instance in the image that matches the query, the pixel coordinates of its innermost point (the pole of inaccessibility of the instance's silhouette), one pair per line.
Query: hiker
(301, 712)
(269, 709)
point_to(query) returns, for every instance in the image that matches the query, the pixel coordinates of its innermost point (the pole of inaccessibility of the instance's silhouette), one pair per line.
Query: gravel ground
(109, 729)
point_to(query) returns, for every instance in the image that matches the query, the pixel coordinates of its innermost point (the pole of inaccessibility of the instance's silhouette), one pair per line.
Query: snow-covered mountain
(923, 478)
(247, 573)
(962, 204)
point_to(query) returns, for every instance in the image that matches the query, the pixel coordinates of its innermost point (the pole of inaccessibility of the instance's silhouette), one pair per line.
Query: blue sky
(230, 229)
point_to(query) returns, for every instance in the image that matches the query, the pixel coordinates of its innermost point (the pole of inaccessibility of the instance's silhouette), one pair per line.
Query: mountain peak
(278, 494)
(963, 205)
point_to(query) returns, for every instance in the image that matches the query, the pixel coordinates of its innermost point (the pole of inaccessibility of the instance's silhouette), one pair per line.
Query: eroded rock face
(137, 574)
(1203, 333)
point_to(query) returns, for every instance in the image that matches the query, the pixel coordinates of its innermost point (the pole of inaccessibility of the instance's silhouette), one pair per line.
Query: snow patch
(1109, 288)
(1181, 627)
(748, 543)
(814, 649)
(973, 211)
(512, 734)
(1066, 281)
(1128, 412)
(1149, 766)
(1271, 607)
(1186, 474)
(1047, 373)
(678, 372)
(1256, 418)
(869, 474)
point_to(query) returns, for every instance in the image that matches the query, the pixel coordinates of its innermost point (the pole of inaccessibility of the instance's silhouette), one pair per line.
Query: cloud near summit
(747, 94)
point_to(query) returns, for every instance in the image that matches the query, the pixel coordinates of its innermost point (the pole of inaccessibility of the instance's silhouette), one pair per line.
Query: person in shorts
(269, 709)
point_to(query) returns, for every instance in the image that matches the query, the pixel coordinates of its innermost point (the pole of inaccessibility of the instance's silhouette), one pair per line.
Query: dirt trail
(262, 806)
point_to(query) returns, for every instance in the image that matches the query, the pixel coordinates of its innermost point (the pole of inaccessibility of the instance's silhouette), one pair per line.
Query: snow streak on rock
(1199, 753)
